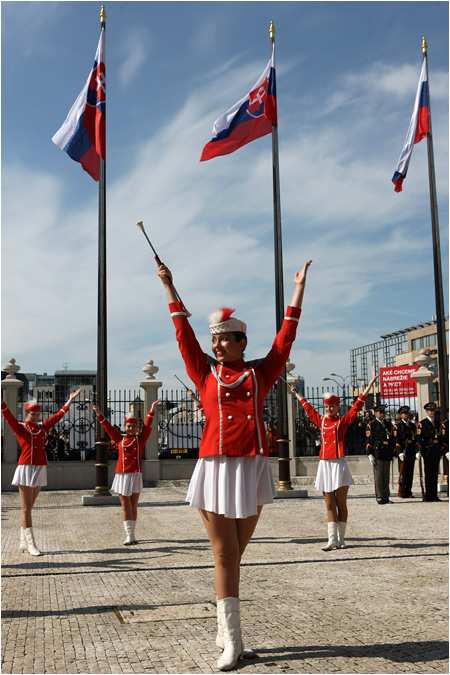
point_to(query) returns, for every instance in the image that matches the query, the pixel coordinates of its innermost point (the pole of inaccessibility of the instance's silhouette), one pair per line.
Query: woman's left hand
(154, 404)
(73, 395)
(301, 276)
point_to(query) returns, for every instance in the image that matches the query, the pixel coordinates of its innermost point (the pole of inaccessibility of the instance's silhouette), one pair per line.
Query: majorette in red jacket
(333, 428)
(233, 394)
(32, 436)
(131, 448)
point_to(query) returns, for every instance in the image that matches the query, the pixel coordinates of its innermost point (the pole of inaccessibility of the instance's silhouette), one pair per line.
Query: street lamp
(339, 384)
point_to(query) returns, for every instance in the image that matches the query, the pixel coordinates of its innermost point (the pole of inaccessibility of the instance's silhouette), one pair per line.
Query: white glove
(402, 456)
(418, 455)
(372, 460)
(446, 455)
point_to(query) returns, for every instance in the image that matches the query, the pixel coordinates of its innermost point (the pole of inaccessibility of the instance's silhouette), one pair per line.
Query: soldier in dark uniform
(429, 437)
(444, 444)
(405, 434)
(380, 450)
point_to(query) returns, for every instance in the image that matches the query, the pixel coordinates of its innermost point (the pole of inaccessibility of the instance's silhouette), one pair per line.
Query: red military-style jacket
(131, 448)
(233, 394)
(31, 437)
(333, 428)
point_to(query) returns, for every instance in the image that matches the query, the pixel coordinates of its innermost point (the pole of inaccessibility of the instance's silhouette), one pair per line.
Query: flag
(83, 134)
(249, 118)
(418, 128)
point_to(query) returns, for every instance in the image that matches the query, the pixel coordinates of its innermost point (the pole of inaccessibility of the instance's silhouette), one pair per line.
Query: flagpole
(284, 477)
(438, 287)
(101, 443)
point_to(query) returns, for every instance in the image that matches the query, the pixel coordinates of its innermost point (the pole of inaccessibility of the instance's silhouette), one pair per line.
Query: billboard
(397, 387)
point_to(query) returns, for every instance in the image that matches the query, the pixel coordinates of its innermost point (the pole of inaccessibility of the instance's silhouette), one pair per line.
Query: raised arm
(300, 281)
(73, 395)
(112, 432)
(370, 385)
(166, 277)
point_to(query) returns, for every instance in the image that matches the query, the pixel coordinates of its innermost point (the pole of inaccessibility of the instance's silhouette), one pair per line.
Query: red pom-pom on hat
(221, 321)
(220, 315)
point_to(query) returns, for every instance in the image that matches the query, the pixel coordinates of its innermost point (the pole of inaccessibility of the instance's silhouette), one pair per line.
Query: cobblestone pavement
(92, 605)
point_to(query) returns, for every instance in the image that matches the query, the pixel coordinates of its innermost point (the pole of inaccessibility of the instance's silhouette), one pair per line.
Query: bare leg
(331, 504)
(127, 511)
(341, 500)
(28, 496)
(134, 504)
(229, 538)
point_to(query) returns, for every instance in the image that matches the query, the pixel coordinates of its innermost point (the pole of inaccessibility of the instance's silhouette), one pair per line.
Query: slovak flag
(418, 129)
(249, 118)
(83, 134)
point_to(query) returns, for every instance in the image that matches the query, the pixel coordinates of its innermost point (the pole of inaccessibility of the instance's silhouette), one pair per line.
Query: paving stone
(91, 605)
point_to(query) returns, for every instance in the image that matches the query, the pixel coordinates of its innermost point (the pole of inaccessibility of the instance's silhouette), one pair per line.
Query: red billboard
(397, 381)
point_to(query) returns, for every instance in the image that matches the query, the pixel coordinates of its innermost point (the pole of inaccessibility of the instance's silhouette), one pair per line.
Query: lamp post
(339, 384)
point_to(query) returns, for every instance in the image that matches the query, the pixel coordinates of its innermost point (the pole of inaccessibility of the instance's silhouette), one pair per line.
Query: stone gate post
(150, 466)
(10, 386)
(424, 378)
(292, 427)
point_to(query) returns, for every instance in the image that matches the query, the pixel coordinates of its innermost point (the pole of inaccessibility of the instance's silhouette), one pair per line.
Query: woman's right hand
(165, 274)
(96, 409)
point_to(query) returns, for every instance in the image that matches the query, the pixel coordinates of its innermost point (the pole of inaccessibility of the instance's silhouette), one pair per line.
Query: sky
(347, 75)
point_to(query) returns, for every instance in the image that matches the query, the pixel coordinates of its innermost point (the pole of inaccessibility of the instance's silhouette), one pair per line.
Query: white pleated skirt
(30, 475)
(333, 474)
(231, 486)
(127, 484)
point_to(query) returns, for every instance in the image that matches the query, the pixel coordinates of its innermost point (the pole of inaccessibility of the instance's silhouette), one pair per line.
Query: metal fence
(181, 423)
(73, 437)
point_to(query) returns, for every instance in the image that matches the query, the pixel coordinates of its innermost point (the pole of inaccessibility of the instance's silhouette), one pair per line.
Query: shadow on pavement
(402, 652)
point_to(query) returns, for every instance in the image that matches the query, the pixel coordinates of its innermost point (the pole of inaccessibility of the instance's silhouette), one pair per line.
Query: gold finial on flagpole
(272, 30)
(102, 14)
(424, 45)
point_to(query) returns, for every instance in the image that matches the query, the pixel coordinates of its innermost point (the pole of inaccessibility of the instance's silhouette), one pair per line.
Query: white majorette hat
(221, 321)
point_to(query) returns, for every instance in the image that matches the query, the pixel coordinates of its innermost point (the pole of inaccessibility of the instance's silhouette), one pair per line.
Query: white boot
(341, 535)
(230, 620)
(29, 538)
(332, 537)
(129, 526)
(220, 638)
(23, 542)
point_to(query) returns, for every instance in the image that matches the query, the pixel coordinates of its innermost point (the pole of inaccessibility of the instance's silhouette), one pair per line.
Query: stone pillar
(150, 386)
(292, 427)
(10, 386)
(424, 379)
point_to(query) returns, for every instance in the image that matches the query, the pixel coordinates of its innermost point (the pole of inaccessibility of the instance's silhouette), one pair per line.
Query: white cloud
(136, 46)
(212, 224)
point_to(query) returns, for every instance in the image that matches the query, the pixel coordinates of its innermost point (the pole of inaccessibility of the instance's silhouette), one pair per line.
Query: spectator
(405, 435)
(380, 449)
(429, 437)
(64, 446)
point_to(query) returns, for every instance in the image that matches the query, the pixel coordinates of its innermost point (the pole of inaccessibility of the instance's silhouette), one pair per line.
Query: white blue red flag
(83, 134)
(418, 129)
(249, 118)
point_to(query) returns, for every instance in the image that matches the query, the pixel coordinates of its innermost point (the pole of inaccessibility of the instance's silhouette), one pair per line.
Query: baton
(288, 383)
(184, 385)
(140, 225)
